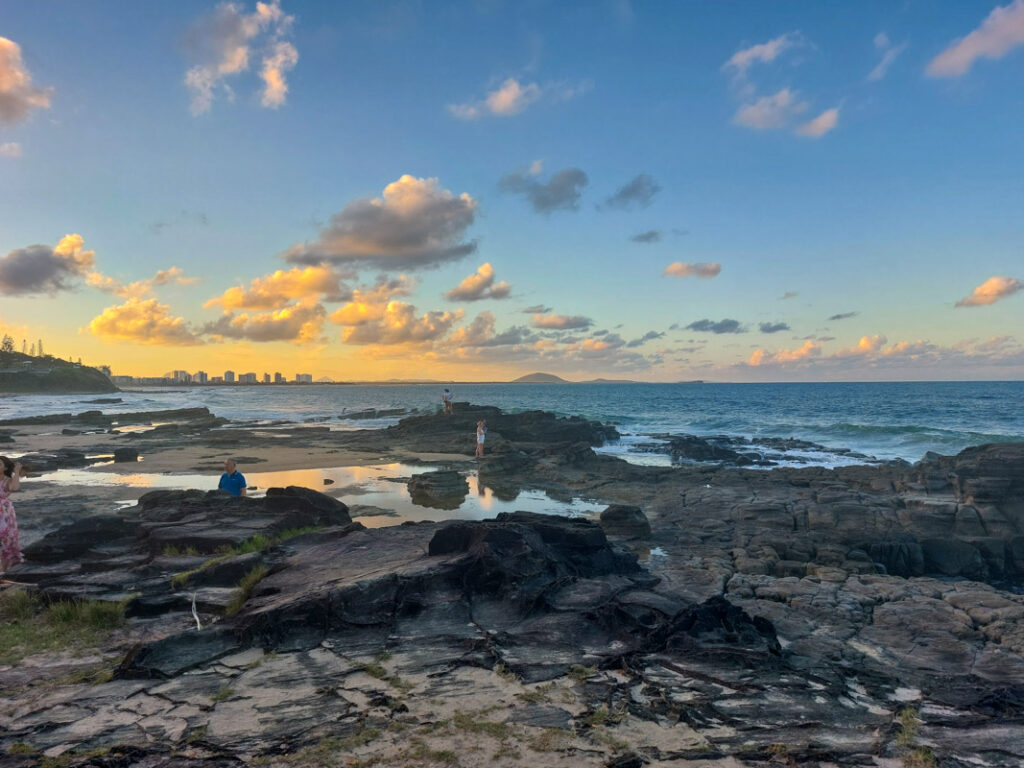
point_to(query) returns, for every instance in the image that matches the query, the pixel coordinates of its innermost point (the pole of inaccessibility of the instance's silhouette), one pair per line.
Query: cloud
(222, 43)
(513, 97)
(638, 193)
(560, 193)
(10, 149)
(789, 295)
(537, 309)
(722, 326)
(479, 285)
(562, 322)
(763, 53)
(301, 323)
(991, 291)
(650, 236)
(649, 336)
(844, 316)
(415, 224)
(808, 350)
(820, 125)
(279, 289)
(143, 322)
(368, 304)
(42, 269)
(399, 324)
(773, 327)
(18, 97)
(138, 288)
(867, 345)
(1000, 32)
(282, 58)
(702, 269)
(770, 112)
(890, 53)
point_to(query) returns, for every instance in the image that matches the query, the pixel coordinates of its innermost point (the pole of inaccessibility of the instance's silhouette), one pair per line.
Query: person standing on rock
(232, 480)
(10, 481)
(481, 435)
(448, 400)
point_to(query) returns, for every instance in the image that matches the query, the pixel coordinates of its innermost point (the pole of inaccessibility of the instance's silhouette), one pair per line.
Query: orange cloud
(991, 291)
(399, 324)
(143, 322)
(479, 285)
(18, 97)
(301, 324)
(808, 350)
(279, 289)
(138, 288)
(703, 269)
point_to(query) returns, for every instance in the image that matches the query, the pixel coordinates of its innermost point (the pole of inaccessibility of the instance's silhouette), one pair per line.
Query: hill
(23, 374)
(540, 378)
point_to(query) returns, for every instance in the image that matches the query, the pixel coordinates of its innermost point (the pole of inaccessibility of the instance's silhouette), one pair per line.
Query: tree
(7, 345)
(40, 347)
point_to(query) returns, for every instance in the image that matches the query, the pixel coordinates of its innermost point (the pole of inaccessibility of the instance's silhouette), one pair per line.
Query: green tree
(7, 345)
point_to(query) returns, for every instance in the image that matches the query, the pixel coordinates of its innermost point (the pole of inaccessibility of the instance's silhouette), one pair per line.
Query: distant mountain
(609, 381)
(540, 378)
(25, 374)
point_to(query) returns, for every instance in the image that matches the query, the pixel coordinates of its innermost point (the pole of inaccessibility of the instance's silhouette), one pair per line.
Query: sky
(469, 191)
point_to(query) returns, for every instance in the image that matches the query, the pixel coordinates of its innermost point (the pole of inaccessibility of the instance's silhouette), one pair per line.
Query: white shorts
(480, 439)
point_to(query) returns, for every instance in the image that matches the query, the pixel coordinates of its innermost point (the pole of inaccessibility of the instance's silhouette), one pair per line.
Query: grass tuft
(257, 543)
(245, 588)
(27, 625)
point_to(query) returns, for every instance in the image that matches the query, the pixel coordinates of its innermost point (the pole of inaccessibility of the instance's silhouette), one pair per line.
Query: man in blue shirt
(232, 480)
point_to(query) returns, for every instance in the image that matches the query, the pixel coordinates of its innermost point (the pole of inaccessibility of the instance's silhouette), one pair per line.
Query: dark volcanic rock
(442, 489)
(125, 455)
(76, 539)
(626, 521)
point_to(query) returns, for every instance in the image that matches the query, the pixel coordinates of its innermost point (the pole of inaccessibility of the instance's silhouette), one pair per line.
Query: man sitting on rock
(232, 480)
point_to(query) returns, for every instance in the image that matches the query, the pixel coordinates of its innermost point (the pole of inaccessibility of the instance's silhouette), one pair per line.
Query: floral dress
(10, 552)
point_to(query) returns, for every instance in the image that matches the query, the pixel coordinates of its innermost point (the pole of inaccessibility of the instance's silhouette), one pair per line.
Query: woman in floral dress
(10, 481)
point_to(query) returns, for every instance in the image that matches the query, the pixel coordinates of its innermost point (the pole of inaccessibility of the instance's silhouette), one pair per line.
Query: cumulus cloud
(844, 316)
(367, 304)
(138, 288)
(143, 322)
(222, 44)
(808, 350)
(301, 323)
(741, 61)
(399, 324)
(18, 97)
(479, 285)
(10, 149)
(279, 289)
(770, 112)
(561, 322)
(561, 192)
(991, 291)
(773, 327)
(820, 125)
(721, 326)
(702, 269)
(414, 224)
(42, 269)
(889, 53)
(650, 236)
(513, 96)
(1000, 32)
(867, 345)
(637, 193)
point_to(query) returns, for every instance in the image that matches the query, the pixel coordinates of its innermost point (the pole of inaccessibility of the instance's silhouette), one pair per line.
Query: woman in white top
(481, 435)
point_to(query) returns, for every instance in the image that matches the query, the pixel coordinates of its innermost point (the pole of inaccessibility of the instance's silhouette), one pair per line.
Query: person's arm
(242, 490)
(14, 483)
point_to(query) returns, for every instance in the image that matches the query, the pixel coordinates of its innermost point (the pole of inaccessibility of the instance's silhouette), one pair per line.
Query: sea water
(884, 420)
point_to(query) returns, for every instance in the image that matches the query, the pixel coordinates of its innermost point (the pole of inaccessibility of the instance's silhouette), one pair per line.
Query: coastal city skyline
(474, 191)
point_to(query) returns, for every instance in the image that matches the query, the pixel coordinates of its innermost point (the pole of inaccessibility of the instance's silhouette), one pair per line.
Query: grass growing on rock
(245, 588)
(27, 625)
(257, 543)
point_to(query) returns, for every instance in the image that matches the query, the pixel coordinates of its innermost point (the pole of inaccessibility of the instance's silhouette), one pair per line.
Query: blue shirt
(233, 483)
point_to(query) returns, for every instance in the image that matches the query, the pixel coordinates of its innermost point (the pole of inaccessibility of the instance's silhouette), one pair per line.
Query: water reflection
(379, 485)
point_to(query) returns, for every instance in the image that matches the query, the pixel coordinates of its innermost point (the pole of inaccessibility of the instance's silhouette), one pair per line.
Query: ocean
(886, 420)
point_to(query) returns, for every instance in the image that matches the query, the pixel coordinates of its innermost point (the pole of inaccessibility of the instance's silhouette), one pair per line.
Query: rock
(953, 558)
(125, 455)
(625, 521)
(443, 489)
(693, 448)
(80, 537)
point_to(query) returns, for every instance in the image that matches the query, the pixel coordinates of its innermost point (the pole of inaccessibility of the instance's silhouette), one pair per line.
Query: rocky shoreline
(713, 616)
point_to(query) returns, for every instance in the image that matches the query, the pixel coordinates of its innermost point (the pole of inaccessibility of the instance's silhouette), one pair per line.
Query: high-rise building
(266, 378)
(229, 377)
(303, 378)
(180, 377)
(247, 378)
(200, 377)
(279, 379)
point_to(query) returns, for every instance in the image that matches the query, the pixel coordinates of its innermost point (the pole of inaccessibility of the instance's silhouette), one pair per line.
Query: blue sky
(898, 204)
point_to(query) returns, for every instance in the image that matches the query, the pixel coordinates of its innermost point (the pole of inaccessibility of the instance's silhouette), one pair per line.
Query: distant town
(202, 378)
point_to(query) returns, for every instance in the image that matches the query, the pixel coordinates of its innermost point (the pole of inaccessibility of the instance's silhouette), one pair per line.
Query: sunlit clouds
(701, 269)
(223, 42)
(280, 288)
(820, 125)
(139, 288)
(10, 149)
(301, 323)
(18, 96)
(992, 290)
(513, 96)
(415, 224)
(771, 112)
(479, 285)
(143, 321)
(1000, 32)
(44, 269)
(561, 322)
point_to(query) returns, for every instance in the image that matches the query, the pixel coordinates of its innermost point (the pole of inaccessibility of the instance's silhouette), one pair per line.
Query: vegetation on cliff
(25, 374)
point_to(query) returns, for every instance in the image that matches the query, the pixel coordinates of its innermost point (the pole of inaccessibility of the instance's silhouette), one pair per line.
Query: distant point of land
(540, 378)
(25, 374)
